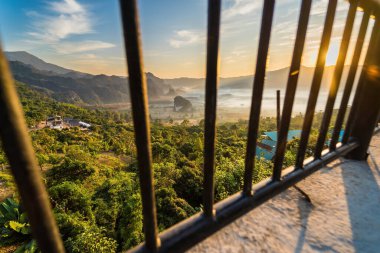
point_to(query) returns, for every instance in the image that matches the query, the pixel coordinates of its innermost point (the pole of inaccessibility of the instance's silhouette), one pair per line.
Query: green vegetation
(92, 176)
(15, 228)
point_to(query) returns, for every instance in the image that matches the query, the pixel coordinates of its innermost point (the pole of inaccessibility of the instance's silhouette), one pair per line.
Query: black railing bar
(257, 93)
(193, 230)
(369, 5)
(316, 83)
(212, 68)
(352, 114)
(18, 148)
(350, 80)
(368, 108)
(140, 113)
(291, 88)
(278, 110)
(338, 71)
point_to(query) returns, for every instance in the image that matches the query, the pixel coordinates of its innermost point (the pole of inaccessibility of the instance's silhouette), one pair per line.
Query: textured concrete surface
(343, 216)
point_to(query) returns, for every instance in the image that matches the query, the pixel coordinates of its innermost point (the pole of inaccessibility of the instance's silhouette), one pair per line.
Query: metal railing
(360, 125)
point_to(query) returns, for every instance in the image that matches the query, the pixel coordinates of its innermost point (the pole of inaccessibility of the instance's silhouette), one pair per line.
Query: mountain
(39, 64)
(81, 88)
(274, 79)
(75, 87)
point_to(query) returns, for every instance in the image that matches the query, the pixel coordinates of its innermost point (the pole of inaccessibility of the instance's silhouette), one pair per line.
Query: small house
(266, 148)
(54, 122)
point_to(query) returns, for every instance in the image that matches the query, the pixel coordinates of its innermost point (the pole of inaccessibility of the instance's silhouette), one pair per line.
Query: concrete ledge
(343, 216)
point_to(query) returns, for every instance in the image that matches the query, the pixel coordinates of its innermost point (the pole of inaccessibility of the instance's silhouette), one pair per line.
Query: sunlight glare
(310, 58)
(332, 54)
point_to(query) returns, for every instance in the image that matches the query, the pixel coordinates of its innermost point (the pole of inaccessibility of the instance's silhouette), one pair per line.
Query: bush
(70, 170)
(130, 223)
(91, 242)
(189, 185)
(15, 227)
(170, 208)
(71, 198)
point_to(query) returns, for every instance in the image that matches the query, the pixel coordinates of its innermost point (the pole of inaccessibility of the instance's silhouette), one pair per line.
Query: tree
(42, 159)
(71, 198)
(170, 208)
(3, 160)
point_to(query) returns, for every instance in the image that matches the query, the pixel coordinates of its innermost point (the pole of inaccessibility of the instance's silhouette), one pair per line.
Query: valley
(112, 92)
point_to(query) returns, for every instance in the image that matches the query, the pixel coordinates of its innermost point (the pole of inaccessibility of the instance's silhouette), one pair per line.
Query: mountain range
(82, 88)
(71, 86)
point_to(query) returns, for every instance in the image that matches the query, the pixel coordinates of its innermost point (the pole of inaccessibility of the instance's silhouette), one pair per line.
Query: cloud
(56, 26)
(240, 7)
(82, 46)
(319, 8)
(67, 6)
(66, 18)
(185, 38)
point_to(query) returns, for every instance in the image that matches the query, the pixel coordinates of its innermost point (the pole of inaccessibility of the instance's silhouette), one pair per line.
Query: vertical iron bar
(18, 148)
(139, 99)
(359, 89)
(258, 86)
(291, 88)
(212, 68)
(278, 111)
(336, 79)
(316, 82)
(350, 81)
(368, 106)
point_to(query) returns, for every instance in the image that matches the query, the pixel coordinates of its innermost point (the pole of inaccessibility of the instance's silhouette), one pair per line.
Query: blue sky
(86, 35)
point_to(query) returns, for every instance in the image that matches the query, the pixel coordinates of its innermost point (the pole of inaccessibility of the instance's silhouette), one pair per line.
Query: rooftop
(292, 134)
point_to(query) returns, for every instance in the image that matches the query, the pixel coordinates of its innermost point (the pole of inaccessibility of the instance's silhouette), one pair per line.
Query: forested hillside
(91, 176)
(76, 87)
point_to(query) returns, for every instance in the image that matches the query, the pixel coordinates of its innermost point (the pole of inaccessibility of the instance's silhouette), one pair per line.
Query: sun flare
(332, 54)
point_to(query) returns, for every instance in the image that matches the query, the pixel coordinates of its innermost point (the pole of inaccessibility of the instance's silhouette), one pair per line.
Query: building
(266, 148)
(76, 123)
(54, 122)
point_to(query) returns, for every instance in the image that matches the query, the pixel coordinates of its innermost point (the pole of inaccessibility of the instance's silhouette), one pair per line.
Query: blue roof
(291, 135)
(269, 143)
(341, 133)
(272, 142)
(264, 153)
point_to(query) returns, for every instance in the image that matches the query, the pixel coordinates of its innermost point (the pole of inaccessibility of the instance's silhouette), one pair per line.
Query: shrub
(71, 198)
(15, 227)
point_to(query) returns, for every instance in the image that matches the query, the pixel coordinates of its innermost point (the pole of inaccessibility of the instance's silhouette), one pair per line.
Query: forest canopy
(92, 176)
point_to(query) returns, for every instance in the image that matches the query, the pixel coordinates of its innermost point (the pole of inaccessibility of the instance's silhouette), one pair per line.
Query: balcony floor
(343, 216)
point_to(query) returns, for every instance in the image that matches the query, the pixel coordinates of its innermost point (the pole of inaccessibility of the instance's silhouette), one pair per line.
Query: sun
(310, 56)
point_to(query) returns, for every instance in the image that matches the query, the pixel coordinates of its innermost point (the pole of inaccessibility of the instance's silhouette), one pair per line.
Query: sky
(86, 35)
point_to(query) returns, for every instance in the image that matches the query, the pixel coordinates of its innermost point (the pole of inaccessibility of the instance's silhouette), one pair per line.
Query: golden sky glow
(173, 35)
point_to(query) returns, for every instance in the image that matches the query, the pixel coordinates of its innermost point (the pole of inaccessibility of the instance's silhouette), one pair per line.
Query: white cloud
(61, 21)
(67, 6)
(240, 7)
(185, 38)
(319, 8)
(82, 46)
(67, 18)
(240, 17)
(88, 56)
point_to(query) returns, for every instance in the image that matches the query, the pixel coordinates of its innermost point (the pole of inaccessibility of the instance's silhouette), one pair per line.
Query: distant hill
(275, 79)
(71, 86)
(39, 64)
